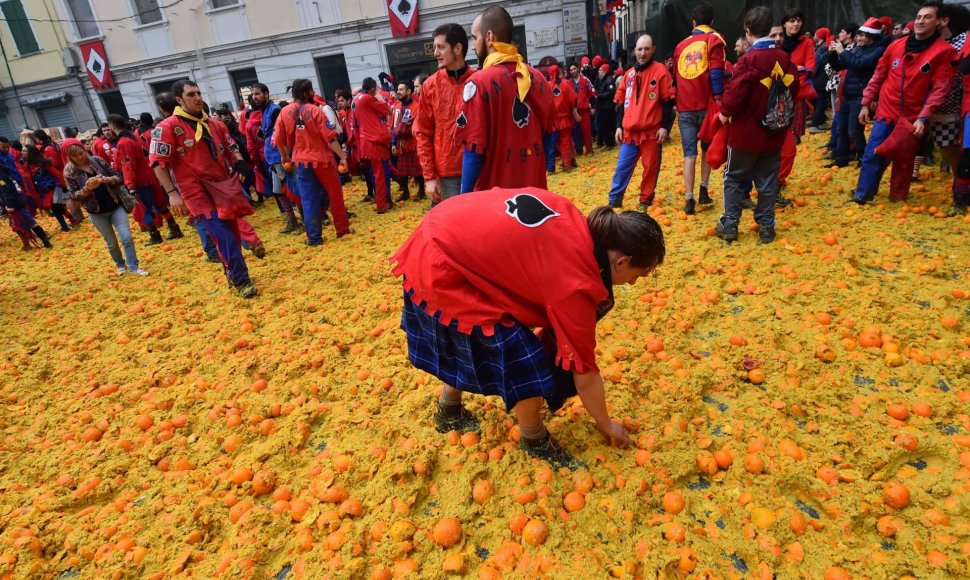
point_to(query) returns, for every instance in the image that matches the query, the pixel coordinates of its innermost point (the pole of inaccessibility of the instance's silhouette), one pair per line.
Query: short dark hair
(16, 145)
(407, 84)
(146, 118)
(758, 20)
(223, 111)
(41, 135)
(959, 17)
(850, 27)
(301, 90)
(368, 84)
(70, 132)
(454, 35)
(178, 87)
(166, 102)
(4, 139)
(703, 14)
(262, 88)
(936, 5)
(793, 12)
(117, 121)
(497, 20)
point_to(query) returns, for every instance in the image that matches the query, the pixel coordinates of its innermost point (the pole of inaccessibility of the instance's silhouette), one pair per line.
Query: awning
(52, 99)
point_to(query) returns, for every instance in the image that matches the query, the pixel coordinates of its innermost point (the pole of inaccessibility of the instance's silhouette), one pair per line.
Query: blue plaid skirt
(511, 364)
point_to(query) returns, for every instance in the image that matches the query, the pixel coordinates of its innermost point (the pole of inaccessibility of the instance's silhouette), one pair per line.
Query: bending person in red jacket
(912, 79)
(469, 308)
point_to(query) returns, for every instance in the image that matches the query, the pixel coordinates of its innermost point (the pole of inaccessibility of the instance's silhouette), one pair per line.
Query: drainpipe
(13, 84)
(199, 54)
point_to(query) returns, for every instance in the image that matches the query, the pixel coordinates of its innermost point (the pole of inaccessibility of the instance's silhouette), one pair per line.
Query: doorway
(332, 74)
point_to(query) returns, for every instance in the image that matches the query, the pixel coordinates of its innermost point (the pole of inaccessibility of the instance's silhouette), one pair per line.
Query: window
(159, 87)
(332, 71)
(223, 3)
(84, 21)
(147, 11)
(114, 103)
(57, 116)
(242, 79)
(20, 30)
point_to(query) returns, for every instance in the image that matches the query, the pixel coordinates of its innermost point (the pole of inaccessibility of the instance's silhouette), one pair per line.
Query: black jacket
(859, 64)
(605, 90)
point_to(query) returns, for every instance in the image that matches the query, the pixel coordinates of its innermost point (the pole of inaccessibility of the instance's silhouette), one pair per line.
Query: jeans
(849, 130)
(207, 244)
(549, 143)
(651, 155)
(107, 224)
(689, 123)
(741, 169)
(228, 241)
(873, 166)
(821, 103)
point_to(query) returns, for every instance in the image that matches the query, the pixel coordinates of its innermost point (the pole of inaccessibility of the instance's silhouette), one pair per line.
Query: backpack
(780, 108)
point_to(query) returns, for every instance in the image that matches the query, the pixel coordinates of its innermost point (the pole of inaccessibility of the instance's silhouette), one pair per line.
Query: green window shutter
(23, 35)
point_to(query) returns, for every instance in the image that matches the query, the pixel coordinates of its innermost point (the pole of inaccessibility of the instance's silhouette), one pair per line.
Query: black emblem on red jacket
(520, 112)
(529, 210)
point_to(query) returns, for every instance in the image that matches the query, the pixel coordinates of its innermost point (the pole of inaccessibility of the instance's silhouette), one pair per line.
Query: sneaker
(247, 290)
(815, 130)
(139, 272)
(956, 210)
(767, 234)
(644, 206)
(121, 269)
(455, 418)
(782, 201)
(368, 199)
(312, 243)
(549, 450)
(726, 234)
(690, 207)
(746, 203)
(385, 210)
(858, 200)
(704, 198)
(259, 250)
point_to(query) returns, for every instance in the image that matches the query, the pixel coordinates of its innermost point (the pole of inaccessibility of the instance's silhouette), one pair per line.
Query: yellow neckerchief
(200, 124)
(510, 53)
(704, 28)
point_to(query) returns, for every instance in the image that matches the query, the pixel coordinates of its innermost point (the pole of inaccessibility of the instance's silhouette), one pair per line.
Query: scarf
(790, 43)
(510, 53)
(201, 124)
(914, 45)
(704, 29)
(639, 68)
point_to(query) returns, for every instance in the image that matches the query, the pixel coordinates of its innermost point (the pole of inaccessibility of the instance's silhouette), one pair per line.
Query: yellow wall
(41, 65)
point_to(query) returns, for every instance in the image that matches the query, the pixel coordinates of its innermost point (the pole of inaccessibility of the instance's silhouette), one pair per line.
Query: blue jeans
(849, 130)
(315, 202)
(228, 243)
(107, 224)
(741, 169)
(625, 164)
(146, 195)
(873, 166)
(549, 142)
(689, 123)
(207, 244)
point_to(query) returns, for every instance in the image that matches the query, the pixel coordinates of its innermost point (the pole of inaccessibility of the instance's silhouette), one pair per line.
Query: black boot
(728, 234)
(421, 194)
(174, 231)
(704, 198)
(39, 231)
(155, 237)
(405, 190)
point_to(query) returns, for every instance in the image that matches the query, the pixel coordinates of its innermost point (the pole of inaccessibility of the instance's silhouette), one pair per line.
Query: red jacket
(696, 59)
(403, 137)
(564, 97)
(254, 140)
(504, 256)
(132, 162)
(373, 136)
(303, 130)
(643, 95)
(745, 98)
(434, 128)
(584, 93)
(55, 156)
(103, 149)
(911, 85)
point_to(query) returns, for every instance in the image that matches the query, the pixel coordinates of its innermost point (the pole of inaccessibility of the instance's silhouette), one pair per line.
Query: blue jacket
(267, 126)
(859, 64)
(820, 78)
(7, 162)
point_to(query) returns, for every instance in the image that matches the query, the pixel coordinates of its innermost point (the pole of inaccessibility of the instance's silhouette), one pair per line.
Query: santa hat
(584, 61)
(872, 26)
(823, 34)
(605, 67)
(887, 22)
(910, 26)
(597, 61)
(619, 71)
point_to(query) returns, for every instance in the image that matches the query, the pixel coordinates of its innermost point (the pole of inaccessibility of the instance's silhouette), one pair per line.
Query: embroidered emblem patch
(469, 91)
(529, 210)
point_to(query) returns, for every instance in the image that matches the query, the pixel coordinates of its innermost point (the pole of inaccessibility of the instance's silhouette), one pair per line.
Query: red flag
(404, 17)
(96, 63)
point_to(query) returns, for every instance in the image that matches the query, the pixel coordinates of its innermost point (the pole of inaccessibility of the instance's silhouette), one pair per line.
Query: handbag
(125, 198)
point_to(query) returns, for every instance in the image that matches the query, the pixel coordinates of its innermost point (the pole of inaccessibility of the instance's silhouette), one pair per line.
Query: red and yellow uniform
(699, 69)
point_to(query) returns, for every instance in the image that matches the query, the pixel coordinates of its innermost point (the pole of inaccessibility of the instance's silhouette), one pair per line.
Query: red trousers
(566, 148)
(788, 151)
(329, 179)
(585, 132)
(246, 232)
(381, 169)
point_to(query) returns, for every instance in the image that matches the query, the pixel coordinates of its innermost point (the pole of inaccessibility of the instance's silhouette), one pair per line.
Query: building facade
(227, 45)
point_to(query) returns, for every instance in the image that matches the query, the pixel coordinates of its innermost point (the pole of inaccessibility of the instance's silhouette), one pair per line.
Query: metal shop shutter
(6, 129)
(57, 116)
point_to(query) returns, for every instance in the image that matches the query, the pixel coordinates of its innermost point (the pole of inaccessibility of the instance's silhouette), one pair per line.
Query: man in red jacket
(374, 139)
(754, 149)
(912, 79)
(699, 76)
(561, 139)
(441, 102)
(507, 110)
(585, 94)
(131, 160)
(403, 145)
(646, 97)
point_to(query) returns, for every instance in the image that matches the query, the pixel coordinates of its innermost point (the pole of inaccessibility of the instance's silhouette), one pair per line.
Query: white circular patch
(470, 89)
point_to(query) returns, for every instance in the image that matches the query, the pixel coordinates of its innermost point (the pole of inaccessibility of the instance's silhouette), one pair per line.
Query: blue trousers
(315, 202)
(549, 142)
(651, 153)
(117, 221)
(850, 130)
(873, 166)
(207, 244)
(225, 235)
(146, 195)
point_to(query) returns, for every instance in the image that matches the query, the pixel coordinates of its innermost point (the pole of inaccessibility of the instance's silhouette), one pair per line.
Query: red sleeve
(124, 162)
(667, 90)
(423, 130)
(540, 99)
(804, 55)
(871, 92)
(943, 78)
(574, 322)
(715, 54)
(162, 147)
(736, 90)
(319, 119)
(282, 136)
(472, 122)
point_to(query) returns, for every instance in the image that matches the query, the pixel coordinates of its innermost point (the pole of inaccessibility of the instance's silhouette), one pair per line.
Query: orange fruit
(756, 376)
(482, 490)
(574, 501)
(753, 463)
(896, 495)
(535, 533)
(673, 502)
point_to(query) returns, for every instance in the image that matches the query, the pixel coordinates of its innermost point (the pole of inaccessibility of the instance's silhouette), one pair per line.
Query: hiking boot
(704, 198)
(247, 290)
(725, 233)
(455, 418)
(40, 233)
(154, 238)
(549, 450)
(690, 207)
(290, 227)
(747, 203)
(259, 250)
(767, 234)
(174, 231)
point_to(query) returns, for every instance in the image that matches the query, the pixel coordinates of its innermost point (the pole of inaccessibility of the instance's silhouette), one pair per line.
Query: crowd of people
(498, 131)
